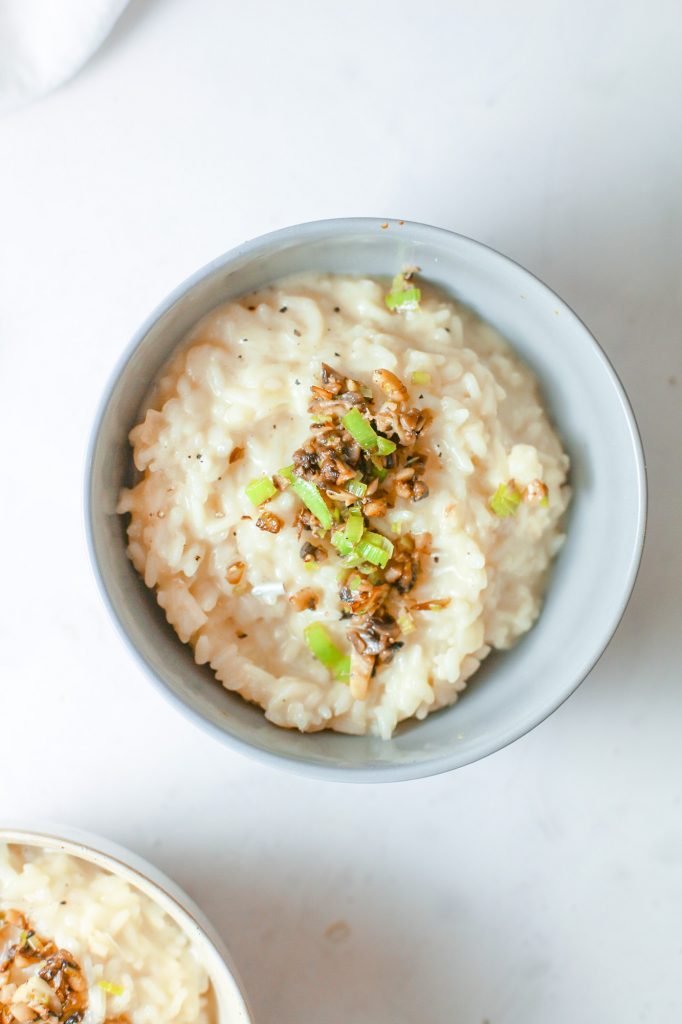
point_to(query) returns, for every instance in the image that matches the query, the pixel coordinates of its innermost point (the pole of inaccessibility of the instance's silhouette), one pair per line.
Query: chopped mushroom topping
(305, 599)
(536, 491)
(38, 981)
(435, 605)
(376, 637)
(393, 388)
(353, 467)
(269, 522)
(235, 572)
(311, 553)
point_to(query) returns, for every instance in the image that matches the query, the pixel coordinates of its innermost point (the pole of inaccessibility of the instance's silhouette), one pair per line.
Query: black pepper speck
(284, 309)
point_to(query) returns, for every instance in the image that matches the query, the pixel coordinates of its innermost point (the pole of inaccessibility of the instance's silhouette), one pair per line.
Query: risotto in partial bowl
(349, 492)
(81, 944)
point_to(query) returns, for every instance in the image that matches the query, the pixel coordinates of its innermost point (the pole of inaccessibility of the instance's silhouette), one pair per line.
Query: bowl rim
(378, 772)
(149, 879)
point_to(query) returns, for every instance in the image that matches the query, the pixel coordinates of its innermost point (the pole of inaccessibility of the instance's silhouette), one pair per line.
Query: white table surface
(544, 883)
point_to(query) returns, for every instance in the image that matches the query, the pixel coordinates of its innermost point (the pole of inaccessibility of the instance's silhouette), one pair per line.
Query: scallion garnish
(385, 446)
(355, 526)
(374, 548)
(360, 430)
(405, 623)
(309, 495)
(365, 435)
(111, 988)
(421, 377)
(356, 487)
(260, 490)
(326, 651)
(341, 542)
(377, 468)
(403, 295)
(506, 500)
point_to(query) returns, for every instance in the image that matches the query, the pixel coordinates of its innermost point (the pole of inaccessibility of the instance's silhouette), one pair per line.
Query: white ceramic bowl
(231, 1007)
(591, 580)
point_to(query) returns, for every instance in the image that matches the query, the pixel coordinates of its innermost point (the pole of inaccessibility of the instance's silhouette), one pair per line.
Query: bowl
(591, 580)
(230, 1004)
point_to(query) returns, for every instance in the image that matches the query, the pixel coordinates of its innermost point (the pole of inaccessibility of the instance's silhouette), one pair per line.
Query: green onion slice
(341, 542)
(261, 490)
(326, 651)
(368, 439)
(384, 446)
(421, 377)
(405, 623)
(309, 495)
(355, 526)
(374, 548)
(356, 487)
(360, 430)
(403, 295)
(376, 468)
(505, 501)
(111, 988)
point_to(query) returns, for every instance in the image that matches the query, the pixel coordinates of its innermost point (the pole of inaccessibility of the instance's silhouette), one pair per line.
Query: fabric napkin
(45, 42)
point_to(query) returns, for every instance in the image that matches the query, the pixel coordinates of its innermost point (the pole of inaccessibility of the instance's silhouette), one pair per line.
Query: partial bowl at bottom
(229, 1001)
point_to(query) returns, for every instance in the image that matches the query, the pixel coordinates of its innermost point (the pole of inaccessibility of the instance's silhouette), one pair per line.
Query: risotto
(347, 495)
(78, 944)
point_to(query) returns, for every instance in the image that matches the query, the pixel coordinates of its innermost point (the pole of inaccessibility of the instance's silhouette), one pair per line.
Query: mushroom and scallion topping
(360, 458)
(39, 982)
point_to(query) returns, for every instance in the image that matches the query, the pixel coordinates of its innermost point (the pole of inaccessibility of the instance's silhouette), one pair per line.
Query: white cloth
(45, 42)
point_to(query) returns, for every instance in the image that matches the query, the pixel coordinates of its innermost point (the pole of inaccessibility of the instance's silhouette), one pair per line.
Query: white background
(545, 883)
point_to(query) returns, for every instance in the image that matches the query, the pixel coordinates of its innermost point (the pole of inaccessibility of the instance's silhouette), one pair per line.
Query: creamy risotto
(348, 494)
(78, 944)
